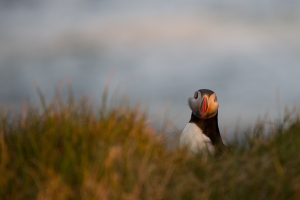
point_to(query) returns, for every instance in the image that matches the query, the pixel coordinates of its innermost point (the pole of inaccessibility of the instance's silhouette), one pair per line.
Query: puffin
(201, 134)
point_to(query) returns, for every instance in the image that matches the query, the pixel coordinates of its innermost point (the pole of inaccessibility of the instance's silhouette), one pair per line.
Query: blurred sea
(160, 53)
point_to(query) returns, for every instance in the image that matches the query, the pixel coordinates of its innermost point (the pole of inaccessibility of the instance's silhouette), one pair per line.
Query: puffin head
(204, 104)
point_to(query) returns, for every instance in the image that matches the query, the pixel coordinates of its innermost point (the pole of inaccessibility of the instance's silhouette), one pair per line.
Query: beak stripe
(204, 105)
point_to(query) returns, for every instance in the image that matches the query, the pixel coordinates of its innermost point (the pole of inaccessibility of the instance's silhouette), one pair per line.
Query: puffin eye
(196, 95)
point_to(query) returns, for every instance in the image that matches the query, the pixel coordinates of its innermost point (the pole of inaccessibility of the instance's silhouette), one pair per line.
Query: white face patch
(195, 102)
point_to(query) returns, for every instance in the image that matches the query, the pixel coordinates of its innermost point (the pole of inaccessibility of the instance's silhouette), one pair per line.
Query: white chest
(193, 137)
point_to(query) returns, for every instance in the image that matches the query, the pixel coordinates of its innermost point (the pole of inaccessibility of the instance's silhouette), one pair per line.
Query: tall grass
(69, 151)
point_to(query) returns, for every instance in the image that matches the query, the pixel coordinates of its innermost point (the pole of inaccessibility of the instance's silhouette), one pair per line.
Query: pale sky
(159, 53)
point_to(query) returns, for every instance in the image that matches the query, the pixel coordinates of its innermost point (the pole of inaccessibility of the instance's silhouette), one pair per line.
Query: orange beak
(204, 106)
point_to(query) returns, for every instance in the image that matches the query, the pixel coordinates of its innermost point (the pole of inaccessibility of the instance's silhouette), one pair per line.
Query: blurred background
(160, 52)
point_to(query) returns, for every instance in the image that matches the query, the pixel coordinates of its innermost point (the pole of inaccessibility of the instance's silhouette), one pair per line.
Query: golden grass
(69, 151)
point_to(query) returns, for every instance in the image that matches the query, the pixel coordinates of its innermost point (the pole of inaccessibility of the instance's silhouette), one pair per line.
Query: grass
(69, 151)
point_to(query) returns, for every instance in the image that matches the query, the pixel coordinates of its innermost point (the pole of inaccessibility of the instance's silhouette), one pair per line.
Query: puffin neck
(209, 127)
